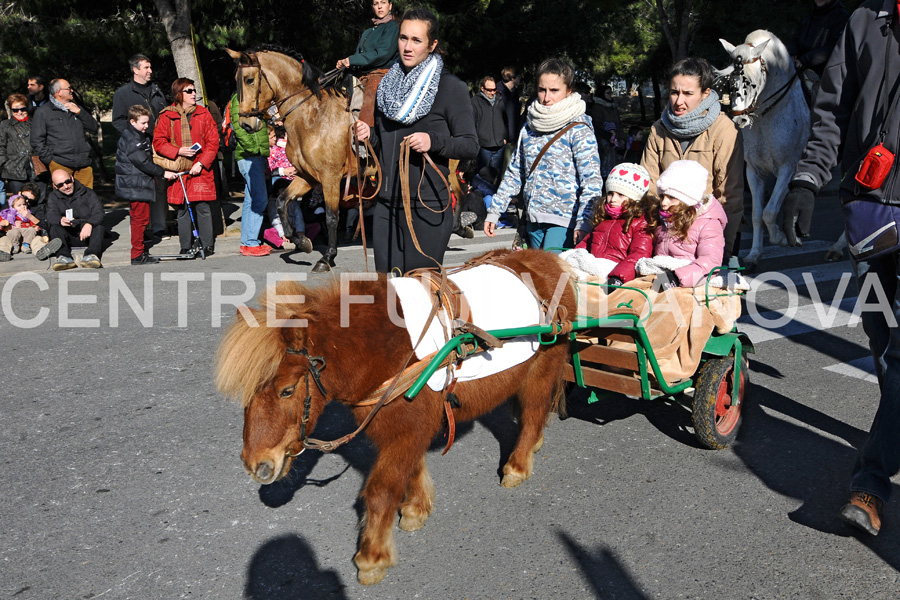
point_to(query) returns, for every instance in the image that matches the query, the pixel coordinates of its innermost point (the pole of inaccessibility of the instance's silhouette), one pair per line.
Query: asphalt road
(122, 476)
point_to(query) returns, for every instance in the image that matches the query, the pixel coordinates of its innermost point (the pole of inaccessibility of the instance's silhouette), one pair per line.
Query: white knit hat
(630, 180)
(684, 180)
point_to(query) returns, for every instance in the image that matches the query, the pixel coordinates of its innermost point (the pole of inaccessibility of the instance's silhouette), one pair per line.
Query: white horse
(767, 103)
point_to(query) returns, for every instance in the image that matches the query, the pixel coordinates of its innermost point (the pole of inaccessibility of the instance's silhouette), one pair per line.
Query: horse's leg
(757, 185)
(773, 207)
(419, 500)
(388, 482)
(331, 190)
(535, 397)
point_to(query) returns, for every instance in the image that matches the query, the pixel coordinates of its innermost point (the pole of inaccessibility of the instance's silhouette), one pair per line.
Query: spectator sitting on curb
(22, 226)
(75, 214)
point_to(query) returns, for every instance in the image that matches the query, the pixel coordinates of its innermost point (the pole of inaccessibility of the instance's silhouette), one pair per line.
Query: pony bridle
(738, 76)
(316, 366)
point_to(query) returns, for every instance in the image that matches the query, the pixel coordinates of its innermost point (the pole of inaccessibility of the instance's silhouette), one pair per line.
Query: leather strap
(546, 147)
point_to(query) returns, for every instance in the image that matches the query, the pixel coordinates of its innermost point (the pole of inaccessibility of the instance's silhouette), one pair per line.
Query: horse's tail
(558, 404)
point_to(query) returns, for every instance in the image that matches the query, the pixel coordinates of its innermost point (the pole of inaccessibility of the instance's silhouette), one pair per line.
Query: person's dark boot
(301, 242)
(863, 511)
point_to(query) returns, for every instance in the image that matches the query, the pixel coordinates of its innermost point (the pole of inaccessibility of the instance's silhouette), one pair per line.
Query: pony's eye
(287, 392)
(249, 81)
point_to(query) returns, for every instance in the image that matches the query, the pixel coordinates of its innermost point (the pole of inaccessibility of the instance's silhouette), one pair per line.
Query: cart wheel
(716, 420)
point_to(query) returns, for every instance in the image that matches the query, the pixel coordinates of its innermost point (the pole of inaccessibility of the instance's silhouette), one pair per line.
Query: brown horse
(268, 367)
(317, 121)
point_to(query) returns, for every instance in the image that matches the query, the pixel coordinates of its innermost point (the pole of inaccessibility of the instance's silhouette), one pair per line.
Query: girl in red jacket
(620, 233)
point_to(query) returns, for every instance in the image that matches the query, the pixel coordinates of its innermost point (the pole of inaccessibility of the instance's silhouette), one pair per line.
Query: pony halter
(316, 366)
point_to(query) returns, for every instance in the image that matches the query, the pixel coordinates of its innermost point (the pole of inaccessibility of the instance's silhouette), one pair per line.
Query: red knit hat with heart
(630, 180)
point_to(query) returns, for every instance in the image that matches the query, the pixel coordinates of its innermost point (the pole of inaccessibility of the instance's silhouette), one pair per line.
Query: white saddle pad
(497, 299)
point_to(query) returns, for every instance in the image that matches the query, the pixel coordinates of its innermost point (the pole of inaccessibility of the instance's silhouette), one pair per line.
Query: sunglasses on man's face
(489, 90)
(63, 184)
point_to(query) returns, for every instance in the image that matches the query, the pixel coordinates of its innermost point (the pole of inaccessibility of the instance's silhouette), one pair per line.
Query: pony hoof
(371, 576)
(834, 256)
(412, 522)
(511, 480)
(321, 267)
(539, 444)
(750, 266)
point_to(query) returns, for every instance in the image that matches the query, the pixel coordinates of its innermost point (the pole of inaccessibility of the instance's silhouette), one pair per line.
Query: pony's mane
(311, 73)
(251, 352)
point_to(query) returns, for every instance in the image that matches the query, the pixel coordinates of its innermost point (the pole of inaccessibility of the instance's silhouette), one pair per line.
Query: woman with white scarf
(693, 127)
(418, 100)
(559, 189)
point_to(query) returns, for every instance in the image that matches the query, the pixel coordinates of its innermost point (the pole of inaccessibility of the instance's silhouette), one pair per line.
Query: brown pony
(272, 368)
(317, 121)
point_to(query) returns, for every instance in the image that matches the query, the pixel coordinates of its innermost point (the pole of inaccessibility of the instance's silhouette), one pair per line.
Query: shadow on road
(286, 567)
(670, 417)
(358, 454)
(802, 463)
(607, 576)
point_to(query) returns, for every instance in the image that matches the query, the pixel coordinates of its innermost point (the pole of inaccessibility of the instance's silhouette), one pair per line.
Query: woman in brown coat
(179, 127)
(693, 127)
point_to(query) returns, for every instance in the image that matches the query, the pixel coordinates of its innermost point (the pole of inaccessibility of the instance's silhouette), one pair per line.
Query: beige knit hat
(684, 180)
(630, 180)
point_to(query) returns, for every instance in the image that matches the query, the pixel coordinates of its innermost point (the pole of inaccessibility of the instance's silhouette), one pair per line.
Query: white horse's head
(747, 74)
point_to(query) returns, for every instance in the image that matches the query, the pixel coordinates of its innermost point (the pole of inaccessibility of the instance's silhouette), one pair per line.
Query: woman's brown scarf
(186, 141)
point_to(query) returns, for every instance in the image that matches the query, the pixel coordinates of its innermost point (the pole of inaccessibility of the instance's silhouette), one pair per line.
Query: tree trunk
(678, 40)
(657, 96)
(176, 18)
(641, 102)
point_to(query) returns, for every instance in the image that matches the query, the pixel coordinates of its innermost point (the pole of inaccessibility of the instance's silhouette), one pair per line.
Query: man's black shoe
(144, 259)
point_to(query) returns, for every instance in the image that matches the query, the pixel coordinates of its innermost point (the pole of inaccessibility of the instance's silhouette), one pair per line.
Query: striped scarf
(186, 141)
(407, 97)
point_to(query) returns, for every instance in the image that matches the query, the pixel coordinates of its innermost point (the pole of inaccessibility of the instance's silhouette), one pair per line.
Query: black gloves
(798, 210)
(665, 281)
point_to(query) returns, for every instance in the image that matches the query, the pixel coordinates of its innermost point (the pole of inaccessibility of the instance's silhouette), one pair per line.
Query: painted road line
(777, 324)
(861, 368)
(808, 247)
(777, 280)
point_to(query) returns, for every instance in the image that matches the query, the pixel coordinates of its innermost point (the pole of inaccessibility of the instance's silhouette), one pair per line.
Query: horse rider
(813, 41)
(375, 53)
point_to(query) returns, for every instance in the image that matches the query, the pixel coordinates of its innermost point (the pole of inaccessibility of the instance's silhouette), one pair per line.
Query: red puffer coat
(203, 130)
(608, 241)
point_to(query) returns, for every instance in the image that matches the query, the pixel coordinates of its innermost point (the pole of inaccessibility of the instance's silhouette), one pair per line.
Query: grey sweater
(847, 117)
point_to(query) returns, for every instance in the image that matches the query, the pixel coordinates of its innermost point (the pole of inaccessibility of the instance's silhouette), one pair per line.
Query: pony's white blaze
(768, 105)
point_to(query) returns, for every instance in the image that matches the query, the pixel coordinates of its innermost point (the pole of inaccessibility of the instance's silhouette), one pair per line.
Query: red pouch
(875, 167)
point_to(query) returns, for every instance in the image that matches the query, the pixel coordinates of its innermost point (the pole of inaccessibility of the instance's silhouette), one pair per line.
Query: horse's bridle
(739, 74)
(255, 111)
(316, 366)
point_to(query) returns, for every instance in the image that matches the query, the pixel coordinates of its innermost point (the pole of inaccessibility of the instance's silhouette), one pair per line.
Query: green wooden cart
(718, 385)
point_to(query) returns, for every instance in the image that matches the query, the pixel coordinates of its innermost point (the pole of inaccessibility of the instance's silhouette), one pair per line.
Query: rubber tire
(713, 390)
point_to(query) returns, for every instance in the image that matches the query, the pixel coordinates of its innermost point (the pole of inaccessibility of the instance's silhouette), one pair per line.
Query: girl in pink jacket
(690, 225)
